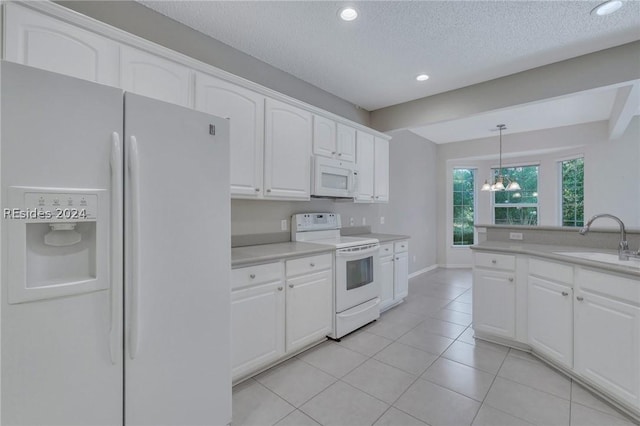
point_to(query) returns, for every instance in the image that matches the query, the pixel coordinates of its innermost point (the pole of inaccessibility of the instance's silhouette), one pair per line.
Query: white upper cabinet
(364, 165)
(42, 42)
(324, 137)
(245, 110)
(287, 156)
(346, 141)
(381, 181)
(155, 77)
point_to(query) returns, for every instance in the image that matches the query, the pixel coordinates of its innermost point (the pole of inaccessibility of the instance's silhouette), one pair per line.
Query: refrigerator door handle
(116, 245)
(134, 290)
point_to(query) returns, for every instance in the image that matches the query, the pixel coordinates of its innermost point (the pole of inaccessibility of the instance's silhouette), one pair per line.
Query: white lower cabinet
(277, 309)
(607, 334)
(257, 317)
(494, 295)
(393, 273)
(582, 319)
(550, 310)
(550, 319)
(309, 309)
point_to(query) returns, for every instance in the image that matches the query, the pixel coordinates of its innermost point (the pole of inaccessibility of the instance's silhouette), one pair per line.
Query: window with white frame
(572, 192)
(463, 206)
(517, 207)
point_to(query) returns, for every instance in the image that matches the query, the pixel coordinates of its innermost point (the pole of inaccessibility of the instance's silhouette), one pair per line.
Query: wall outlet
(515, 235)
(414, 259)
(381, 220)
(284, 225)
(364, 221)
(352, 221)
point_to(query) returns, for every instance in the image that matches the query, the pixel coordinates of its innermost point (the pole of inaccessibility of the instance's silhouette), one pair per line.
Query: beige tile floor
(418, 365)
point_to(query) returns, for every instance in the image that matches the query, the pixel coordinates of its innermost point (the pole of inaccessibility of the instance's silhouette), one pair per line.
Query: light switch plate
(283, 225)
(515, 235)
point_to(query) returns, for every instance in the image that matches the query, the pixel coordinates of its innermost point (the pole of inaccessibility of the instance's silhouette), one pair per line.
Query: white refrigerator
(115, 302)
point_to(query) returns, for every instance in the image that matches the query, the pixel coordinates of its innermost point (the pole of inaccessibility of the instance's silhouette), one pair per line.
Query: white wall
(612, 175)
(410, 211)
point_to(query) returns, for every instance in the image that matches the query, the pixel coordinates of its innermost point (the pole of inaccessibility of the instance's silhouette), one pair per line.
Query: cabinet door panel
(43, 42)
(287, 157)
(245, 109)
(346, 143)
(309, 309)
(155, 77)
(550, 319)
(401, 276)
(257, 327)
(494, 299)
(381, 180)
(324, 137)
(607, 344)
(386, 281)
(364, 165)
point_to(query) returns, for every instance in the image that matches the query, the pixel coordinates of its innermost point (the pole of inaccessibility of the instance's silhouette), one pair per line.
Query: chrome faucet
(623, 247)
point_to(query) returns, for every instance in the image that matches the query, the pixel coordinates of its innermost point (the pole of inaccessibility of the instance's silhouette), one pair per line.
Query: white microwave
(333, 178)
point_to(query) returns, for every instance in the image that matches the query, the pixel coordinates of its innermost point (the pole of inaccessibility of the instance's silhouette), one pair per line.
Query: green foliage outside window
(463, 206)
(573, 192)
(518, 207)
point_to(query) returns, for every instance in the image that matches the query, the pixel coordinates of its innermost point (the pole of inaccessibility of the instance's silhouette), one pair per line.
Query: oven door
(356, 275)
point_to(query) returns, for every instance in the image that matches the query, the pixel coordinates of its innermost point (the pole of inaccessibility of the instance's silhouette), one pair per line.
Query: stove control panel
(303, 222)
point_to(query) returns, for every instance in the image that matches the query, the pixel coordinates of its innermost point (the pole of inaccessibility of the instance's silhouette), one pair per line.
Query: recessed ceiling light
(422, 77)
(348, 14)
(607, 7)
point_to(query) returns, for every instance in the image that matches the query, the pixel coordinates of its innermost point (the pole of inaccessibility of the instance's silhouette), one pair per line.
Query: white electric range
(356, 289)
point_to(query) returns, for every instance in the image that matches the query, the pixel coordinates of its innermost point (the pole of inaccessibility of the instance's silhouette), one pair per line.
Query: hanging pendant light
(499, 183)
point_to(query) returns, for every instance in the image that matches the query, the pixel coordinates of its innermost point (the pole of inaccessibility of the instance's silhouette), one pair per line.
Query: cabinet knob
(564, 293)
(252, 276)
(494, 261)
(397, 258)
(340, 154)
(280, 288)
(312, 264)
(580, 298)
(510, 279)
(290, 285)
(372, 197)
(257, 189)
(333, 152)
(387, 249)
(402, 246)
(377, 196)
(268, 190)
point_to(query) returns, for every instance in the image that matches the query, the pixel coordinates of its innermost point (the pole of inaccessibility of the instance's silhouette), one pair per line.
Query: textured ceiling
(372, 62)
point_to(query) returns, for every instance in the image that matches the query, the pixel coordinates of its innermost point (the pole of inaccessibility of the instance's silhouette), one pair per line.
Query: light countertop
(550, 252)
(249, 255)
(383, 238)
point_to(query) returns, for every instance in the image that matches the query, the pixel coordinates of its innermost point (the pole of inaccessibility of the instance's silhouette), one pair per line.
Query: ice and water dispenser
(57, 242)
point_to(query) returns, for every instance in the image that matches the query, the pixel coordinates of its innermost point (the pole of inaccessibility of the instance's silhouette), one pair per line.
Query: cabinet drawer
(551, 270)
(386, 250)
(308, 264)
(401, 246)
(495, 261)
(258, 274)
(610, 285)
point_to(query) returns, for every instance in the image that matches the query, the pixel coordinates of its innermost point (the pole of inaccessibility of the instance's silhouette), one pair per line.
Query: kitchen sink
(601, 257)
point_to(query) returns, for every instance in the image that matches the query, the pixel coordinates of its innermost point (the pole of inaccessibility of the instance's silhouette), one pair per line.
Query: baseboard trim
(422, 271)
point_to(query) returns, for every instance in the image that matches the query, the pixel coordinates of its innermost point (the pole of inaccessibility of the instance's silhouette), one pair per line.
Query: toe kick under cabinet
(584, 320)
(277, 309)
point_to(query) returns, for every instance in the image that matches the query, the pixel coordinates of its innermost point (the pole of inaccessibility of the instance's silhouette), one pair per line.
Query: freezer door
(61, 300)
(177, 265)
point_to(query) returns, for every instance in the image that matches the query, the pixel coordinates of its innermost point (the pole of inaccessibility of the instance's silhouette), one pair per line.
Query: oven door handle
(358, 253)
